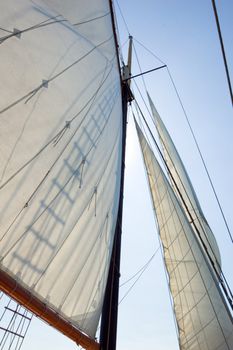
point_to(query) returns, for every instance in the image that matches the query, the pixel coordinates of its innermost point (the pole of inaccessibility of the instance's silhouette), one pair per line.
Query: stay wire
(202, 158)
(123, 18)
(223, 50)
(141, 269)
(140, 69)
(195, 141)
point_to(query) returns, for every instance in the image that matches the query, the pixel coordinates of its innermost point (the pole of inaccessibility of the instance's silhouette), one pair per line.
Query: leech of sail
(225, 287)
(203, 318)
(180, 179)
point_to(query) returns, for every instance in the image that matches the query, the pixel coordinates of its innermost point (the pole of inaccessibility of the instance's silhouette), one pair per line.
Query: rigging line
(223, 50)
(194, 138)
(28, 117)
(139, 65)
(5, 30)
(202, 158)
(141, 124)
(120, 51)
(222, 285)
(9, 328)
(148, 110)
(118, 36)
(91, 20)
(25, 332)
(36, 26)
(18, 330)
(124, 43)
(7, 306)
(143, 267)
(123, 18)
(32, 93)
(142, 270)
(129, 290)
(68, 67)
(148, 50)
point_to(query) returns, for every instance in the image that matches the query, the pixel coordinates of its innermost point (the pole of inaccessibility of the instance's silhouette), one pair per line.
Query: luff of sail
(185, 191)
(60, 145)
(203, 319)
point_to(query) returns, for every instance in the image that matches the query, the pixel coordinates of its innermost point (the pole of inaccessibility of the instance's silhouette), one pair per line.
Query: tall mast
(108, 331)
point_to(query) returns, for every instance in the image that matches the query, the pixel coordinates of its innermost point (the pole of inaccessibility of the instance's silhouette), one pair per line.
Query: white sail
(60, 152)
(203, 319)
(185, 190)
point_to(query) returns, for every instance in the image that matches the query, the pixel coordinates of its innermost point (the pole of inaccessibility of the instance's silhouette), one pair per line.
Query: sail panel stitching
(90, 102)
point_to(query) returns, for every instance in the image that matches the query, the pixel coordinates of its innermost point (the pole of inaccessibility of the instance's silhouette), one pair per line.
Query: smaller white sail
(184, 189)
(203, 319)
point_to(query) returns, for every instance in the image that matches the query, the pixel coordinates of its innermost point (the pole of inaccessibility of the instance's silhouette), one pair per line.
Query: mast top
(126, 72)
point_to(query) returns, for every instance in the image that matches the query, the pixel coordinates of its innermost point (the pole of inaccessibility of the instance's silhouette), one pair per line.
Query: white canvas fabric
(179, 175)
(203, 320)
(60, 152)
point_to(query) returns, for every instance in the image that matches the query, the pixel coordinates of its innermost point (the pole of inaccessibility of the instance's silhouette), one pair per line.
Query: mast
(108, 331)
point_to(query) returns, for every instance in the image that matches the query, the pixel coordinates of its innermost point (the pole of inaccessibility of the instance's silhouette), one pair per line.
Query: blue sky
(183, 34)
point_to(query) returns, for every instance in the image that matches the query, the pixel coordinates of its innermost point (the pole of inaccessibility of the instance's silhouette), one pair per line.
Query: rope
(123, 18)
(141, 271)
(223, 50)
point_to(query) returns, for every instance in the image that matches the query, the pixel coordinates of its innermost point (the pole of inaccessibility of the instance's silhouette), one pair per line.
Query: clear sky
(183, 34)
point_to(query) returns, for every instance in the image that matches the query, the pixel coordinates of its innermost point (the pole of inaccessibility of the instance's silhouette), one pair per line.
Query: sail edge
(13, 289)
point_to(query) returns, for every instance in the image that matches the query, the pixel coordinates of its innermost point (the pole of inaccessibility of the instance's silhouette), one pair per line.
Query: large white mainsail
(60, 152)
(184, 189)
(203, 319)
